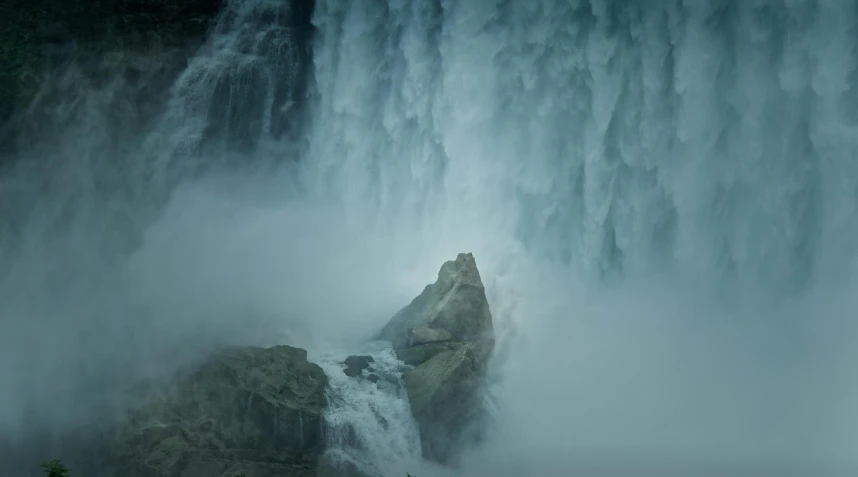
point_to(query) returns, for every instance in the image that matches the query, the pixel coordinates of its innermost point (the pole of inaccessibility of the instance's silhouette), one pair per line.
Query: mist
(221, 265)
(660, 199)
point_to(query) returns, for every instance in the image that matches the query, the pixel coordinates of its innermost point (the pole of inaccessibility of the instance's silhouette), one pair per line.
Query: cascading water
(664, 190)
(369, 427)
(707, 138)
(243, 90)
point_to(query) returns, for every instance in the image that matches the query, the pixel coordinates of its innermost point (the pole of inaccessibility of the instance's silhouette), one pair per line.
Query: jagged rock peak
(456, 304)
(446, 334)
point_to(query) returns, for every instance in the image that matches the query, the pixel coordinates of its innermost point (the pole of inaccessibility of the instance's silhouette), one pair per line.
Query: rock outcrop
(356, 364)
(254, 411)
(446, 334)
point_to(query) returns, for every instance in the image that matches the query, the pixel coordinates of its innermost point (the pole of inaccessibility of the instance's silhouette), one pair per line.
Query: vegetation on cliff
(34, 34)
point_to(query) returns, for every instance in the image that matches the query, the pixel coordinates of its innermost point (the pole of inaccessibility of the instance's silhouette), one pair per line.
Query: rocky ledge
(249, 411)
(259, 411)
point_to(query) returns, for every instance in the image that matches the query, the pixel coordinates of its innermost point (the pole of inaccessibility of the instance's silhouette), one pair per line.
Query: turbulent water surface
(368, 425)
(662, 198)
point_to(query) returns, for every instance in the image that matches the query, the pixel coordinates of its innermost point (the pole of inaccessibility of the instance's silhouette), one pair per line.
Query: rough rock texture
(142, 45)
(455, 306)
(446, 333)
(31, 29)
(249, 410)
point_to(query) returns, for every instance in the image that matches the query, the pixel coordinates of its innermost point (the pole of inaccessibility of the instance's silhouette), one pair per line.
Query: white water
(661, 198)
(707, 139)
(368, 426)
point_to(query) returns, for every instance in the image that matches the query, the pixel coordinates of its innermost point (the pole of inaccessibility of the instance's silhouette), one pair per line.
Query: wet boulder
(255, 411)
(446, 335)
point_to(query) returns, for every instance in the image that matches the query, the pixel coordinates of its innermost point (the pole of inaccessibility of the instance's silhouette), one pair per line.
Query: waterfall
(246, 85)
(662, 198)
(661, 195)
(712, 140)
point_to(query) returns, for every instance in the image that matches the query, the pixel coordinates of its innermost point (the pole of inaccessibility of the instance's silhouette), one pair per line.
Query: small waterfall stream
(368, 423)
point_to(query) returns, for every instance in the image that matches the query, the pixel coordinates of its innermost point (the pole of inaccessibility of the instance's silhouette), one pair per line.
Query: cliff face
(39, 39)
(35, 35)
(145, 42)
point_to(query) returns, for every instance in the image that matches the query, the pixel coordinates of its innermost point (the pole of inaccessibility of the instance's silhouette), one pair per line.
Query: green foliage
(55, 468)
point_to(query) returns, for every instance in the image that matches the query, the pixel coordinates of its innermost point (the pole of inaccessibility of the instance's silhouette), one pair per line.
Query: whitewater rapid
(368, 425)
(710, 140)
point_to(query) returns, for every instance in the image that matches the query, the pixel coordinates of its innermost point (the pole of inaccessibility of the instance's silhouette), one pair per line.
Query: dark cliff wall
(35, 35)
(39, 38)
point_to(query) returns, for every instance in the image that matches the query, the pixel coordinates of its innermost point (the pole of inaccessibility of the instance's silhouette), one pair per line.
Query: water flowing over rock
(369, 429)
(248, 410)
(446, 333)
